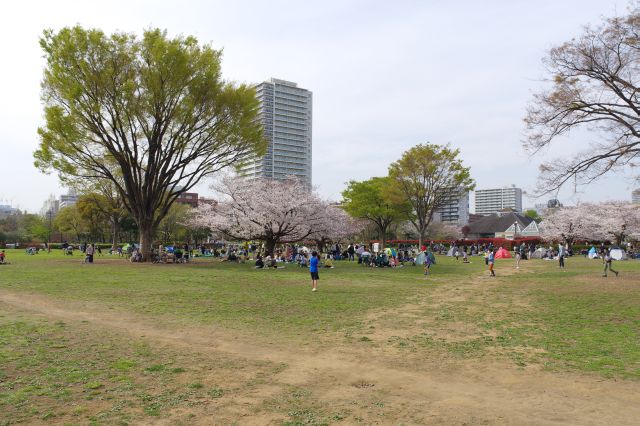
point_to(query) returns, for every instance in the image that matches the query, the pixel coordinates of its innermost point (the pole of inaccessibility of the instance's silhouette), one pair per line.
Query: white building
(489, 201)
(286, 116)
(68, 199)
(635, 196)
(52, 205)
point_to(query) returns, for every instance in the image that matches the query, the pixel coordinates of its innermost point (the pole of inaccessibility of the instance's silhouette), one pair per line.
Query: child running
(608, 260)
(491, 260)
(313, 268)
(427, 263)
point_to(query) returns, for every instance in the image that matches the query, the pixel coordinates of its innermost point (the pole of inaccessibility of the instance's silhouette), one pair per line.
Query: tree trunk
(270, 246)
(115, 231)
(383, 236)
(146, 240)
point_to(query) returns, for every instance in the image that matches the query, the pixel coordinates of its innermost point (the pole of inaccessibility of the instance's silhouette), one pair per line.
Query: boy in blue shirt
(313, 268)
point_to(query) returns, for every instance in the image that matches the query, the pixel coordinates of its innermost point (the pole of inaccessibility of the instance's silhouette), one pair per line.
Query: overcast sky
(384, 75)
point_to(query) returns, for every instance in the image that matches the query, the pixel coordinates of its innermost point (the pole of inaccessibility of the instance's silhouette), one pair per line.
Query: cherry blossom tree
(569, 224)
(615, 220)
(610, 220)
(272, 211)
(336, 225)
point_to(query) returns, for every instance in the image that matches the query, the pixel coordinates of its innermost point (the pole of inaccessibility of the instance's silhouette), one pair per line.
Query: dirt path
(470, 393)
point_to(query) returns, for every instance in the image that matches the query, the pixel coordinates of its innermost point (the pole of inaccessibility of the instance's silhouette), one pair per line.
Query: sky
(385, 76)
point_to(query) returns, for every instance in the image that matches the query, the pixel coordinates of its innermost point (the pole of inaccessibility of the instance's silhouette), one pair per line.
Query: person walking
(89, 251)
(491, 260)
(351, 251)
(608, 260)
(313, 269)
(561, 254)
(518, 257)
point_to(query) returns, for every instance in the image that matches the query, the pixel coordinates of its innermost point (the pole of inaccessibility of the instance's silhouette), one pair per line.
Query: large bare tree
(594, 85)
(152, 115)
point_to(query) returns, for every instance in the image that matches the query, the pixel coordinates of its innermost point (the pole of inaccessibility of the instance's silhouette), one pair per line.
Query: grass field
(211, 342)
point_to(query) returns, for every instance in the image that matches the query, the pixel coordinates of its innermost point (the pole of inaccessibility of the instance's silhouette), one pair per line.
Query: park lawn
(572, 320)
(212, 292)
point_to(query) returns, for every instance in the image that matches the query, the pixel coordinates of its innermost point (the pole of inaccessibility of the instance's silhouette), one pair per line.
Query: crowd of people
(367, 255)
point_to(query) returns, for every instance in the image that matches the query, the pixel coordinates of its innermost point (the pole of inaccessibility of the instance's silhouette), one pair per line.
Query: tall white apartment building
(286, 116)
(489, 201)
(635, 196)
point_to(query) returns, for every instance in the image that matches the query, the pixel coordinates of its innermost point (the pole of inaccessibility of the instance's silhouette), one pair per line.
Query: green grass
(571, 320)
(236, 296)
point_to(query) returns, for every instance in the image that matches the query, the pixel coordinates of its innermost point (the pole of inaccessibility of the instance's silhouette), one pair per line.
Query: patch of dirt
(389, 390)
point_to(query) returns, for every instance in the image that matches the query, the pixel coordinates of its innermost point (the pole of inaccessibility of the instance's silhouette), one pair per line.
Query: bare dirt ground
(371, 384)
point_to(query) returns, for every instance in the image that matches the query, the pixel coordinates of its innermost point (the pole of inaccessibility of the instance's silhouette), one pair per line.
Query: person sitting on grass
(328, 262)
(366, 256)
(259, 262)
(271, 263)
(136, 256)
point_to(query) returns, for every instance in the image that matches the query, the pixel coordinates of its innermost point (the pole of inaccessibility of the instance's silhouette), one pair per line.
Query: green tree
(533, 215)
(427, 175)
(151, 115)
(375, 201)
(69, 220)
(100, 198)
(172, 228)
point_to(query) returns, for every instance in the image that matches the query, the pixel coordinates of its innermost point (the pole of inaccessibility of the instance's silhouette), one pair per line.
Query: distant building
(508, 225)
(7, 210)
(286, 117)
(489, 201)
(454, 210)
(50, 207)
(68, 199)
(189, 198)
(635, 196)
(53, 205)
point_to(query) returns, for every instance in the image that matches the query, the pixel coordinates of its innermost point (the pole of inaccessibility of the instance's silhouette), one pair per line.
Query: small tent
(593, 253)
(502, 253)
(617, 253)
(452, 251)
(539, 253)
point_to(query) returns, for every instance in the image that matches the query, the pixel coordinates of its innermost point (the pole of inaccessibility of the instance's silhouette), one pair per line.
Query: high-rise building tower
(286, 115)
(489, 201)
(454, 209)
(635, 196)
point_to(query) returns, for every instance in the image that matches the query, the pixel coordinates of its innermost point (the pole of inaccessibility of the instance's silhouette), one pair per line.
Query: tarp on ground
(618, 254)
(502, 253)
